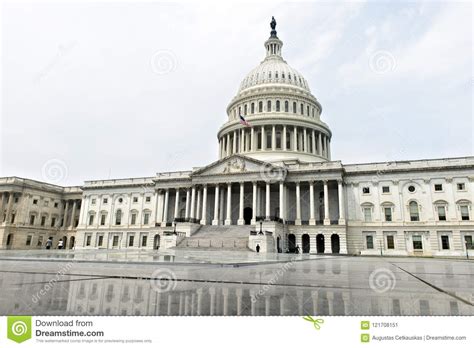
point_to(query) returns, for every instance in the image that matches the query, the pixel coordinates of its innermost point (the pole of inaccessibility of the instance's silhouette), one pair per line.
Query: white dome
(274, 70)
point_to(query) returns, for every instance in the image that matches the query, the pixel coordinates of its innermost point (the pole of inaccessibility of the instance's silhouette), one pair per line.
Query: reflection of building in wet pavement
(33, 293)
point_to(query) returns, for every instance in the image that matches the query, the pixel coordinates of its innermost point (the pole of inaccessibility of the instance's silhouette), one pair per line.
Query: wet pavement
(231, 283)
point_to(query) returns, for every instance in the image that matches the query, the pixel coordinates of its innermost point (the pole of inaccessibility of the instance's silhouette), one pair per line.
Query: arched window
(277, 105)
(252, 108)
(118, 217)
(269, 106)
(245, 109)
(307, 110)
(294, 107)
(301, 109)
(269, 74)
(240, 111)
(276, 74)
(283, 75)
(260, 106)
(414, 211)
(278, 140)
(286, 105)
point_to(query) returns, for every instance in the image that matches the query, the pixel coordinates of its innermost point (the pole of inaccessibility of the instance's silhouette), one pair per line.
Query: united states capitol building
(274, 188)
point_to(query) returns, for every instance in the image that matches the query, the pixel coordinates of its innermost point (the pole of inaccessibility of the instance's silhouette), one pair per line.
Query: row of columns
(6, 201)
(241, 141)
(195, 211)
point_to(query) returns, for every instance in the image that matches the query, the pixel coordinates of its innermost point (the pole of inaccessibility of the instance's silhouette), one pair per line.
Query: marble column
(198, 205)
(165, 207)
(234, 143)
(312, 220)
(295, 139)
(193, 202)
(305, 141)
(227, 144)
(215, 221)
(241, 220)
(298, 205)
(254, 203)
(204, 206)
(313, 141)
(283, 145)
(327, 221)
(66, 208)
(73, 213)
(340, 195)
(262, 136)
(282, 207)
(320, 144)
(273, 138)
(252, 139)
(188, 194)
(267, 202)
(228, 220)
(176, 204)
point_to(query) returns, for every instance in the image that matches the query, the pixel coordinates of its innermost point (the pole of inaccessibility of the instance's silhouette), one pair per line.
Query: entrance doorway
(156, 242)
(72, 241)
(335, 244)
(305, 241)
(291, 243)
(320, 243)
(248, 215)
(9, 241)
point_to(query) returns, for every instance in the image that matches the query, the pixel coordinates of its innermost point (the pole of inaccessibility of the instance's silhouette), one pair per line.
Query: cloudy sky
(112, 90)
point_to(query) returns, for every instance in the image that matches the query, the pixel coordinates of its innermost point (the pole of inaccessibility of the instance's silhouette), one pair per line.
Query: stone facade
(274, 173)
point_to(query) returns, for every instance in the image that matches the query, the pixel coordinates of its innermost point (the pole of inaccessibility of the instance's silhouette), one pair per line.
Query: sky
(100, 90)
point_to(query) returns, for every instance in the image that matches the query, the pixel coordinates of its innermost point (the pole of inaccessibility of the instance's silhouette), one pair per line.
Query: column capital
(340, 181)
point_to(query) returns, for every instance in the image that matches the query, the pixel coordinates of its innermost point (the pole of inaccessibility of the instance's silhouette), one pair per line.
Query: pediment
(232, 165)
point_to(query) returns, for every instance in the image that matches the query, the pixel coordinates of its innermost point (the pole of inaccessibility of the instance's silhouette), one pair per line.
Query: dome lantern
(273, 44)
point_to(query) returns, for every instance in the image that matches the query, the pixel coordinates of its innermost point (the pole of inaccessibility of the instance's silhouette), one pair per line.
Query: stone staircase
(218, 238)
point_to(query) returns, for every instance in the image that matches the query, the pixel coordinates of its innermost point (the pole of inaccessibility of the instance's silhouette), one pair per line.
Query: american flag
(244, 121)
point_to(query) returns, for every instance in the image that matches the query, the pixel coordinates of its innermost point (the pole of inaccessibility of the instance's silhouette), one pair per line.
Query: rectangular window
(438, 187)
(56, 204)
(133, 221)
(269, 140)
(105, 201)
(46, 203)
(464, 212)
(12, 219)
(28, 240)
(468, 242)
(43, 220)
(368, 214)
(385, 189)
(144, 241)
(441, 213)
(390, 242)
(115, 241)
(147, 199)
(417, 243)
(365, 190)
(100, 241)
(369, 240)
(102, 219)
(93, 201)
(91, 219)
(445, 242)
(88, 240)
(135, 199)
(388, 214)
(461, 186)
(32, 219)
(53, 222)
(35, 201)
(131, 240)
(146, 218)
(40, 241)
